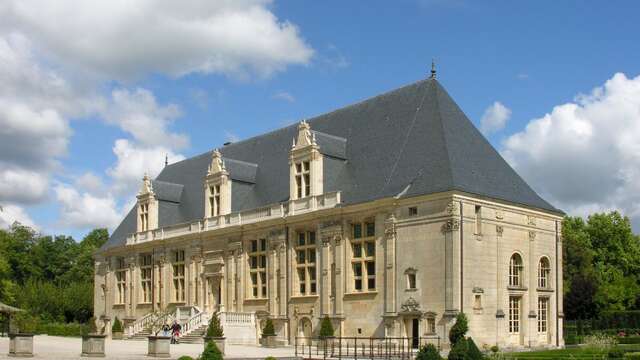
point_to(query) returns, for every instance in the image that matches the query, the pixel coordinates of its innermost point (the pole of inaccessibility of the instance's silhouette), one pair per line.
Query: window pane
(301, 259)
(358, 284)
(371, 268)
(306, 166)
(371, 248)
(313, 288)
(312, 273)
(371, 229)
(254, 262)
(357, 269)
(254, 245)
(263, 261)
(357, 231)
(312, 237)
(312, 255)
(298, 167)
(263, 244)
(300, 239)
(254, 279)
(357, 250)
(371, 283)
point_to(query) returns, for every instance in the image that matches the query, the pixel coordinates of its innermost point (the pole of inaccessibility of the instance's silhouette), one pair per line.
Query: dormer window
(214, 200)
(144, 217)
(217, 187)
(303, 179)
(305, 160)
(147, 206)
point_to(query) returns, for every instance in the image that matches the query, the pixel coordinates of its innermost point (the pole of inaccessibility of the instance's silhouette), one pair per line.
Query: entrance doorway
(304, 330)
(415, 333)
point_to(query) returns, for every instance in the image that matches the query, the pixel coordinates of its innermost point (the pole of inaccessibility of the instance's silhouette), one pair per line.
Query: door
(304, 330)
(415, 333)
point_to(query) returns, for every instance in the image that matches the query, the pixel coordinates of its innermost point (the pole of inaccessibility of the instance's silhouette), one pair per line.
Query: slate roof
(411, 141)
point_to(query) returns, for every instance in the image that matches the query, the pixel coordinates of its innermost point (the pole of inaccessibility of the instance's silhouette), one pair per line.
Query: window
(543, 314)
(121, 281)
(303, 179)
(544, 269)
(363, 261)
(258, 268)
(306, 262)
(411, 280)
(514, 314)
(214, 200)
(515, 270)
(477, 301)
(478, 229)
(413, 211)
(431, 325)
(145, 277)
(144, 217)
(178, 275)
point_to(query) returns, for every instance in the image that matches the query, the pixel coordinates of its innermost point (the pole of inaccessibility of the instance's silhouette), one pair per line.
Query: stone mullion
(501, 285)
(557, 277)
(132, 294)
(272, 281)
(325, 262)
(282, 280)
(531, 318)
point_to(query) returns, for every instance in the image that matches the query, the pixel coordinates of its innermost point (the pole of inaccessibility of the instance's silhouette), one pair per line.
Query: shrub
(269, 358)
(465, 349)
(211, 352)
(61, 329)
(215, 328)
(494, 349)
(632, 356)
(185, 357)
(615, 353)
(268, 329)
(600, 341)
(90, 327)
(459, 329)
(326, 328)
(25, 323)
(629, 340)
(428, 352)
(117, 325)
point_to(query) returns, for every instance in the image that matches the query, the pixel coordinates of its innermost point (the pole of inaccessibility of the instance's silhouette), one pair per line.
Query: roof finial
(433, 68)
(166, 159)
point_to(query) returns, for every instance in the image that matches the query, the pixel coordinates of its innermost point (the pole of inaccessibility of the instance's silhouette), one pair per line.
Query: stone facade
(433, 257)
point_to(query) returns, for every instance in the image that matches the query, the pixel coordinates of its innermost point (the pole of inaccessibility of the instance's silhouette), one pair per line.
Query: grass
(571, 353)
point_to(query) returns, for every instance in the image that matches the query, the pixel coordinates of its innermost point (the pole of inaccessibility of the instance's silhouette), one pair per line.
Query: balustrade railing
(195, 322)
(362, 347)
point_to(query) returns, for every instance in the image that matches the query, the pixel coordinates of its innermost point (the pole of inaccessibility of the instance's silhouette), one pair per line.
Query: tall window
(258, 268)
(544, 269)
(144, 217)
(214, 200)
(543, 314)
(303, 179)
(178, 275)
(306, 262)
(514, 314)
(478, 227)
(145, 277)
(121, 281)
(363, 261)
(515, 270)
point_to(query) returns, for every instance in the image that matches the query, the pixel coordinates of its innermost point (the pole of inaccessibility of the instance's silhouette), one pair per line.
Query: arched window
(544, 270)
(515, 270)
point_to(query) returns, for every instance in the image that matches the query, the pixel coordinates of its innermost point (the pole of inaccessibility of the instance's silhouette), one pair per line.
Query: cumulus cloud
(85, 210)
(121, 41)
(585, 155)
(495, 118)
(283, 95)
(22, 186)
(11, 213)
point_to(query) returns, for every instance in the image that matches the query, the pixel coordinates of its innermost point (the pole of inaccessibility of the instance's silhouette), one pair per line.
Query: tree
(214, 329)
(459, 329)
(428, 352)
(268, 329)
(211, 352)
(326, 328)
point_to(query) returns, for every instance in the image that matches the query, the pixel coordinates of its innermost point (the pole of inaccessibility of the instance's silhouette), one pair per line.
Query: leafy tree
(215, 328)
(117, 325)
(326, 328)
(465, 349)
(459, 329)
(268, 330)
(428, 352)
(211, 352)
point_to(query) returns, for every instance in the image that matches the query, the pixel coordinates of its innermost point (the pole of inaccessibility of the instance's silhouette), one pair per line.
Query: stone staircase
(140, 336)
(195, 336)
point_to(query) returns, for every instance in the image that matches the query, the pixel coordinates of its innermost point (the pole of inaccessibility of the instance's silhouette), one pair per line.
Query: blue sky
(307, 58)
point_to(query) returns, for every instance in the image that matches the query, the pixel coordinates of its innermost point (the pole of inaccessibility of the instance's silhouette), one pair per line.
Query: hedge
(60, 329)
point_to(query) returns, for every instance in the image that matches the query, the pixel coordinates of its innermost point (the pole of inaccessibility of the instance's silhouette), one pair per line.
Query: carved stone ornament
(330, 224)
(305, 136)
(451, 225)
(390, 226)
(499, 214)
(531, 220)
(477, 290)
(532, 235)
(410, 305)
(146, 188)
(217, 164)
(499, 230)
(452, 208)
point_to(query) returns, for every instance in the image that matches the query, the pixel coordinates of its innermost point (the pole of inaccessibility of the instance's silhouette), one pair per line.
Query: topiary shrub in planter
(465, 349)
(326, 328)
(268, 338)
(215, 333)
(92, 341)
(428, 352)
(211, 352)
(185, 357)
(117, 331)
(22, 326)
(458, 330)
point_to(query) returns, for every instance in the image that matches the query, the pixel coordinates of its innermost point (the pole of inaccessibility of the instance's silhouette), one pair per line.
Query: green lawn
(572, 353)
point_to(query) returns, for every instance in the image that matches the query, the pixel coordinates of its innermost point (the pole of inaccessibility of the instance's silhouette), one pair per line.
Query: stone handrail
(280, 210)
(146, 322)
(195, 322)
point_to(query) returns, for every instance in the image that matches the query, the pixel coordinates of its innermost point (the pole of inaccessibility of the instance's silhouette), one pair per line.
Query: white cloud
(86, 211)
(585, 155)
(138, 113)
(133, 161)
(10, 213)
(90, 182)
(231, 137)
(121, 40)
(283, 95)
(522, 76)
(22, 186)
(333, 58)
(495, 118)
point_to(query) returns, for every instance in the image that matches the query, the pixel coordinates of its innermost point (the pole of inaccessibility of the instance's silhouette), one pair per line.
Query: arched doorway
(304, 330)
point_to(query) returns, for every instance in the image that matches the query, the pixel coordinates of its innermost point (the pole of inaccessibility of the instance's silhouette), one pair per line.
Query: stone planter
(268, 341)
(117, 335)
(93, 345)
(21, 345)
(219, 341)
(159, 346)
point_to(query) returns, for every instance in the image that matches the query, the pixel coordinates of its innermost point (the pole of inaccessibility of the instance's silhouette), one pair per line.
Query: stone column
(282, 279)
(325, 280)
(501, 284)
(240, 282)
(451, 231)
(272, 281)
(533, 284)
(559, 288)
(390, 264)
(132, 284)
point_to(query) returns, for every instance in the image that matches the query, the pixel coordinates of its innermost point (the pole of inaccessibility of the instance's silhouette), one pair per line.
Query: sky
(95, 94)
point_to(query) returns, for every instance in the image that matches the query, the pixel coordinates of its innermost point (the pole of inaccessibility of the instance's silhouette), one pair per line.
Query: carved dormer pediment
(147, 207)
(217, 164)
(305, 162)
(147, 187)
(305, 137)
